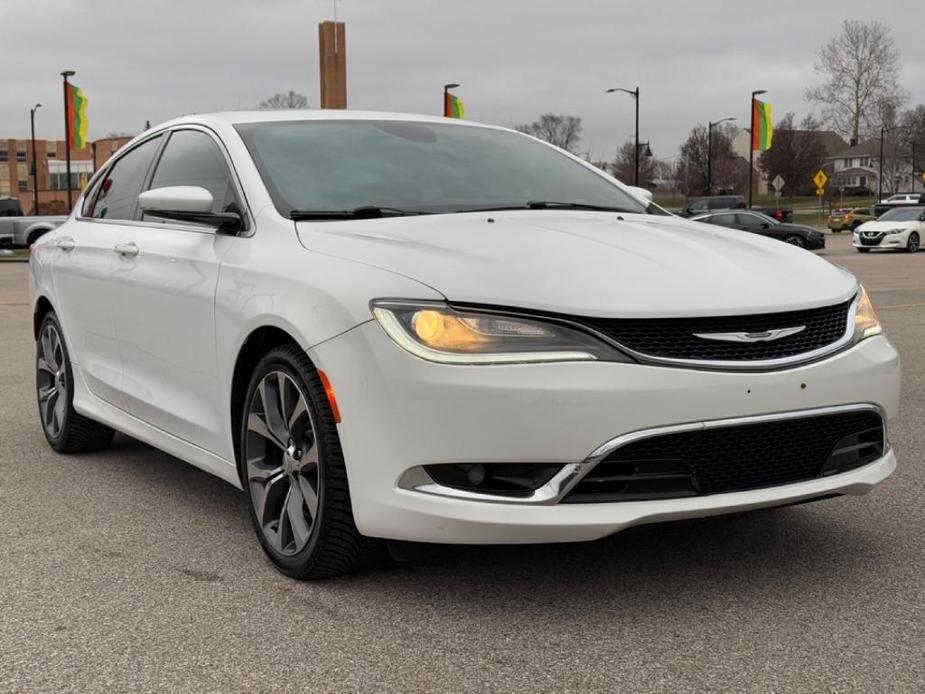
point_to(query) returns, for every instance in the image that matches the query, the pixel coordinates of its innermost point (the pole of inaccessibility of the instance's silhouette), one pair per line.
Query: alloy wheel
(52, 380)
(281, 457)
(913, 244)
(795, 241)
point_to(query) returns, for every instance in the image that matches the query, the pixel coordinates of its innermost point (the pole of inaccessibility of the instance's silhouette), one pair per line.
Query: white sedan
(393, 327)
(898, 229)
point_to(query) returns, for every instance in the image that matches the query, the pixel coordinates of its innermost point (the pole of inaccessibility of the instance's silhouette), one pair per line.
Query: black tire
(863, 250)
(65, 429)
(795, 240)
(912, 245)
(334, 545)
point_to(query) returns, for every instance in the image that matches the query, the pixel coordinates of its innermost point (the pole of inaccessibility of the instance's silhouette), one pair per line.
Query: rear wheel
(294, 473)
(65, 430)
(795, 240)
(912, 245)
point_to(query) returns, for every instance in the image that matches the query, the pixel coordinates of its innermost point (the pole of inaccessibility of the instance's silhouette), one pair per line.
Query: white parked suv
(387, 326)
(901, 229)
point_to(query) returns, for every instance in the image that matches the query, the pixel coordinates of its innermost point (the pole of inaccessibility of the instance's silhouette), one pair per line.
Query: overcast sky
(693, 60)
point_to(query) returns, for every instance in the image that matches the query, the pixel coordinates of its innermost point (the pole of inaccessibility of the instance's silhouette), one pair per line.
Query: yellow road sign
(820, 191)
(820, 179)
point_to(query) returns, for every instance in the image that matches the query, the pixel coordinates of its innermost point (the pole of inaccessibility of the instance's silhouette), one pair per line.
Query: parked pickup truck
(18, 231)
(897, 201)
(732, 202)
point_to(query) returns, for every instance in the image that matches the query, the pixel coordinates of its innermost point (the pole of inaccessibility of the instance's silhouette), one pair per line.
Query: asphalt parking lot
(131, 571)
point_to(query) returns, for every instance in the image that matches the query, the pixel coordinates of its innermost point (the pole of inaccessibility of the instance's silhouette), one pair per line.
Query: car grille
(734, 458)
(871, 238)
(676, 338)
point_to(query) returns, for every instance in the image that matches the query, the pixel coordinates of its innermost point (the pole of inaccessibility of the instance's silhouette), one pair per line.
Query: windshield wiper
(362, 212)
(553, 205)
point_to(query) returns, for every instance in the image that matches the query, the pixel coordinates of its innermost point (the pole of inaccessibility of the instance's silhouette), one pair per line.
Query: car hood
(589, 264)
(886, 226)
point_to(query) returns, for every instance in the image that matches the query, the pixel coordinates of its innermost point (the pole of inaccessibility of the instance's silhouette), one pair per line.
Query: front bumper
(882, 241)
(400, 412)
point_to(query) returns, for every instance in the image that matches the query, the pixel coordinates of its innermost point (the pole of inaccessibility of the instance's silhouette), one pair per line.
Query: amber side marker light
(329, 392)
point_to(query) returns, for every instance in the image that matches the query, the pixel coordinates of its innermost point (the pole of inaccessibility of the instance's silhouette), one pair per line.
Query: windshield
(907, 214)
(413, 167)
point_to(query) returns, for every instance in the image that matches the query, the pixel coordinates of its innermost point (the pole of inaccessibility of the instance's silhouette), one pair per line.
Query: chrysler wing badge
(762, 336)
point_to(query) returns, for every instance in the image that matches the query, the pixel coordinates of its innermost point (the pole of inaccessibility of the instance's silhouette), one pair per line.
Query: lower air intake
(734, 458)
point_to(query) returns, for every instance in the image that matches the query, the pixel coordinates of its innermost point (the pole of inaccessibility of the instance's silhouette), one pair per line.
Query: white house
(859, 167)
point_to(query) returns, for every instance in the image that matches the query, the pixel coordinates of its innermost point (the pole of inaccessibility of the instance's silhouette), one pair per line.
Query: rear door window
(117, 194)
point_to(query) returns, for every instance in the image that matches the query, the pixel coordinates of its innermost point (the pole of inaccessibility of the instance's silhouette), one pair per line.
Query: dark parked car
(758, 223)
(732, 202)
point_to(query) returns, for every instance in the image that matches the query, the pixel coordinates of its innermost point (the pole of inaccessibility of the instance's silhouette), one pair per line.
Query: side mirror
(188, 204)
(922, 217)
(641, 193)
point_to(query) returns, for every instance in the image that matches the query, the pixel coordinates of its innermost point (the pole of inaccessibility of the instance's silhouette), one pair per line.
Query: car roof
(284, 115)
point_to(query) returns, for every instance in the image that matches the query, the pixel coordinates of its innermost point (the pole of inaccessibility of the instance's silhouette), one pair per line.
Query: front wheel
(912, 245)
(65, 429)
(794, 240)
(293, 470)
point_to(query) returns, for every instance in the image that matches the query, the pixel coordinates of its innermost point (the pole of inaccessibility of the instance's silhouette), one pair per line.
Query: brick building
(16, 170)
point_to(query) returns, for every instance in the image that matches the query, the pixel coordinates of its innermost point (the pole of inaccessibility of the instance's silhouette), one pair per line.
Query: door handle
(127, 249)
(65, 243)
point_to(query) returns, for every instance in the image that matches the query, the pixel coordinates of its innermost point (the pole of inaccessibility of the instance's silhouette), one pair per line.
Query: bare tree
(559, 130)
(860, 71)
(913, 128)
(693, 164)
(624, 166)
(283, 100)
(797, 154)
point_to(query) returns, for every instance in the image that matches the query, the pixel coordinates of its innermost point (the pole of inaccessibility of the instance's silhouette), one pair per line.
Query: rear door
(165, 304)
(85, 249)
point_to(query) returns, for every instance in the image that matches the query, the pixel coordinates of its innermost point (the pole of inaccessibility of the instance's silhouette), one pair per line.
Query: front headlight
(436, 332)
(895, 231)
(866, 323)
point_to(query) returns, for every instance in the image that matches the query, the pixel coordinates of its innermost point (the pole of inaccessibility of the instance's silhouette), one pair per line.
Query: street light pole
(446, 100)
(751, 143)
(710, 126)
(67, 137)
(635, 94)
(35, 163)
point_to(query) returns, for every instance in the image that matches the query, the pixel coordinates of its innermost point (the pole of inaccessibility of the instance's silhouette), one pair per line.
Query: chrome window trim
(416, 479)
